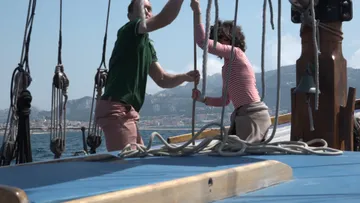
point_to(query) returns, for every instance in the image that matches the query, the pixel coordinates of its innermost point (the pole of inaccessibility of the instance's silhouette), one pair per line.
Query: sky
(83, 32)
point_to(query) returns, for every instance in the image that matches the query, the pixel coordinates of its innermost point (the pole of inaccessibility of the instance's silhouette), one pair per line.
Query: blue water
(40, 143)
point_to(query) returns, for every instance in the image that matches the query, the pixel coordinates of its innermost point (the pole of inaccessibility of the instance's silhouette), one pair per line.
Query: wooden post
(333, 121)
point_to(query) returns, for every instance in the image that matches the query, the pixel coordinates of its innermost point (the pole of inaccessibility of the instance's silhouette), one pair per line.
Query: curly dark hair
(225, 32)
(131, 6)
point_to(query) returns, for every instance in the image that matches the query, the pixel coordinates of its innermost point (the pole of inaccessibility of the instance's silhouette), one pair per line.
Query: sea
(40, 142)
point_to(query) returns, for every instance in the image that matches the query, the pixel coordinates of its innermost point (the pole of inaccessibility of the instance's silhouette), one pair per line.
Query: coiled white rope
(231, 145)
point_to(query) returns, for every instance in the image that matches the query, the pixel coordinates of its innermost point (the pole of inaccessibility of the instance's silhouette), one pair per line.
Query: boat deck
(315, 178)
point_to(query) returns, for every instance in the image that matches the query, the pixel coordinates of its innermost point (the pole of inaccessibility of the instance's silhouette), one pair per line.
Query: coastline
(37, 131)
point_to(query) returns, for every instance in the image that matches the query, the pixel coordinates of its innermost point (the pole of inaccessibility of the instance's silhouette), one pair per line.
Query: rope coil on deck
(234, 147)
(231, 145)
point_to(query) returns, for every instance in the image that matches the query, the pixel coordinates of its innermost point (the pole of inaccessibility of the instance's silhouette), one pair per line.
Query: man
(133, 59)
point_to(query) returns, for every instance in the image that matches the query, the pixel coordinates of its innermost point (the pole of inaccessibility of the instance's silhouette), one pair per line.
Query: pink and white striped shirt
(242, 83)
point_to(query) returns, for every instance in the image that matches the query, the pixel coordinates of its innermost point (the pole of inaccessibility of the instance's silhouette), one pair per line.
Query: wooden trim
(12, 195)
(207, 187)
(285, 118)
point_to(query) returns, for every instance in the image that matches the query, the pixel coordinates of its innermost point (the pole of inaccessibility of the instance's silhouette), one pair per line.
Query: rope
(94, 132)
(195, 85)
(59, 99)
(263, 88)
(216, 23)
(308, 18)
(206, 47)
(20, 81)
(207, 34)
(231, 145)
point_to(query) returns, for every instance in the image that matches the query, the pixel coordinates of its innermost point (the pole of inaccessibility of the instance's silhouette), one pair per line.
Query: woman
(250, 120)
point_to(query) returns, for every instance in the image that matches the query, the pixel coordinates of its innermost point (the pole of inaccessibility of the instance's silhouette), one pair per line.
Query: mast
(333, 120)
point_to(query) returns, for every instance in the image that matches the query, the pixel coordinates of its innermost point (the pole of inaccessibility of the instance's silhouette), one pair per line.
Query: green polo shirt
(129, 65)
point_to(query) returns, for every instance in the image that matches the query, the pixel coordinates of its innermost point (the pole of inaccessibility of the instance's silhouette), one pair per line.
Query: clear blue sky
(83, 31)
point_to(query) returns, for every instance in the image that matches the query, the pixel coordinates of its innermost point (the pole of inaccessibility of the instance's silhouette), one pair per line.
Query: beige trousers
(119, 124)
(250, 122)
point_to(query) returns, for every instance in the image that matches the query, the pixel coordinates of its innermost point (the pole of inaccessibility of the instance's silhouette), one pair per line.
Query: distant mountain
(177, 101)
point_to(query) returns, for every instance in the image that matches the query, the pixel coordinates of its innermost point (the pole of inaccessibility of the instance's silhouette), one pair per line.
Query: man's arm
(164, 18)
(163, 79)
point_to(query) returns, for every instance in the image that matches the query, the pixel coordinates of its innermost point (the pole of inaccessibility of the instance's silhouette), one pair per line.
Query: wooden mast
(333, 121)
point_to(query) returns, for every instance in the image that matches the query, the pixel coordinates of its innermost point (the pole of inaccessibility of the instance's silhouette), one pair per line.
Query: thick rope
(263, 88)
(232, 145)
(206, 47)
(20, 81)
(195, 85)
(94, 132)
(308, 18)
(216, 26)
(315, 35)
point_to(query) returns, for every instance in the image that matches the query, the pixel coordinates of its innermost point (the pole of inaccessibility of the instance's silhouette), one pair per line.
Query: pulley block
(57, 146)
(24, 78)
(100, 78)
(326, 11)
(93, 141)
(60, 80)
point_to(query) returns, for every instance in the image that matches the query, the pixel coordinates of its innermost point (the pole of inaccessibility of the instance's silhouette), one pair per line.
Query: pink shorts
(119, 124)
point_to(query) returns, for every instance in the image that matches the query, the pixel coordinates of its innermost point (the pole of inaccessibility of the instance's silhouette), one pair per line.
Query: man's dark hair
(225, 32)
(131, 6)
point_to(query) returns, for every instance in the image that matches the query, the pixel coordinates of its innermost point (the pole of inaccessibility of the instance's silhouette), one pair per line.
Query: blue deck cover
(317, 178)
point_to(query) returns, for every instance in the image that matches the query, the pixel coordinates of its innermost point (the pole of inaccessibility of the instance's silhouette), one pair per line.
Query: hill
(177, 101)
